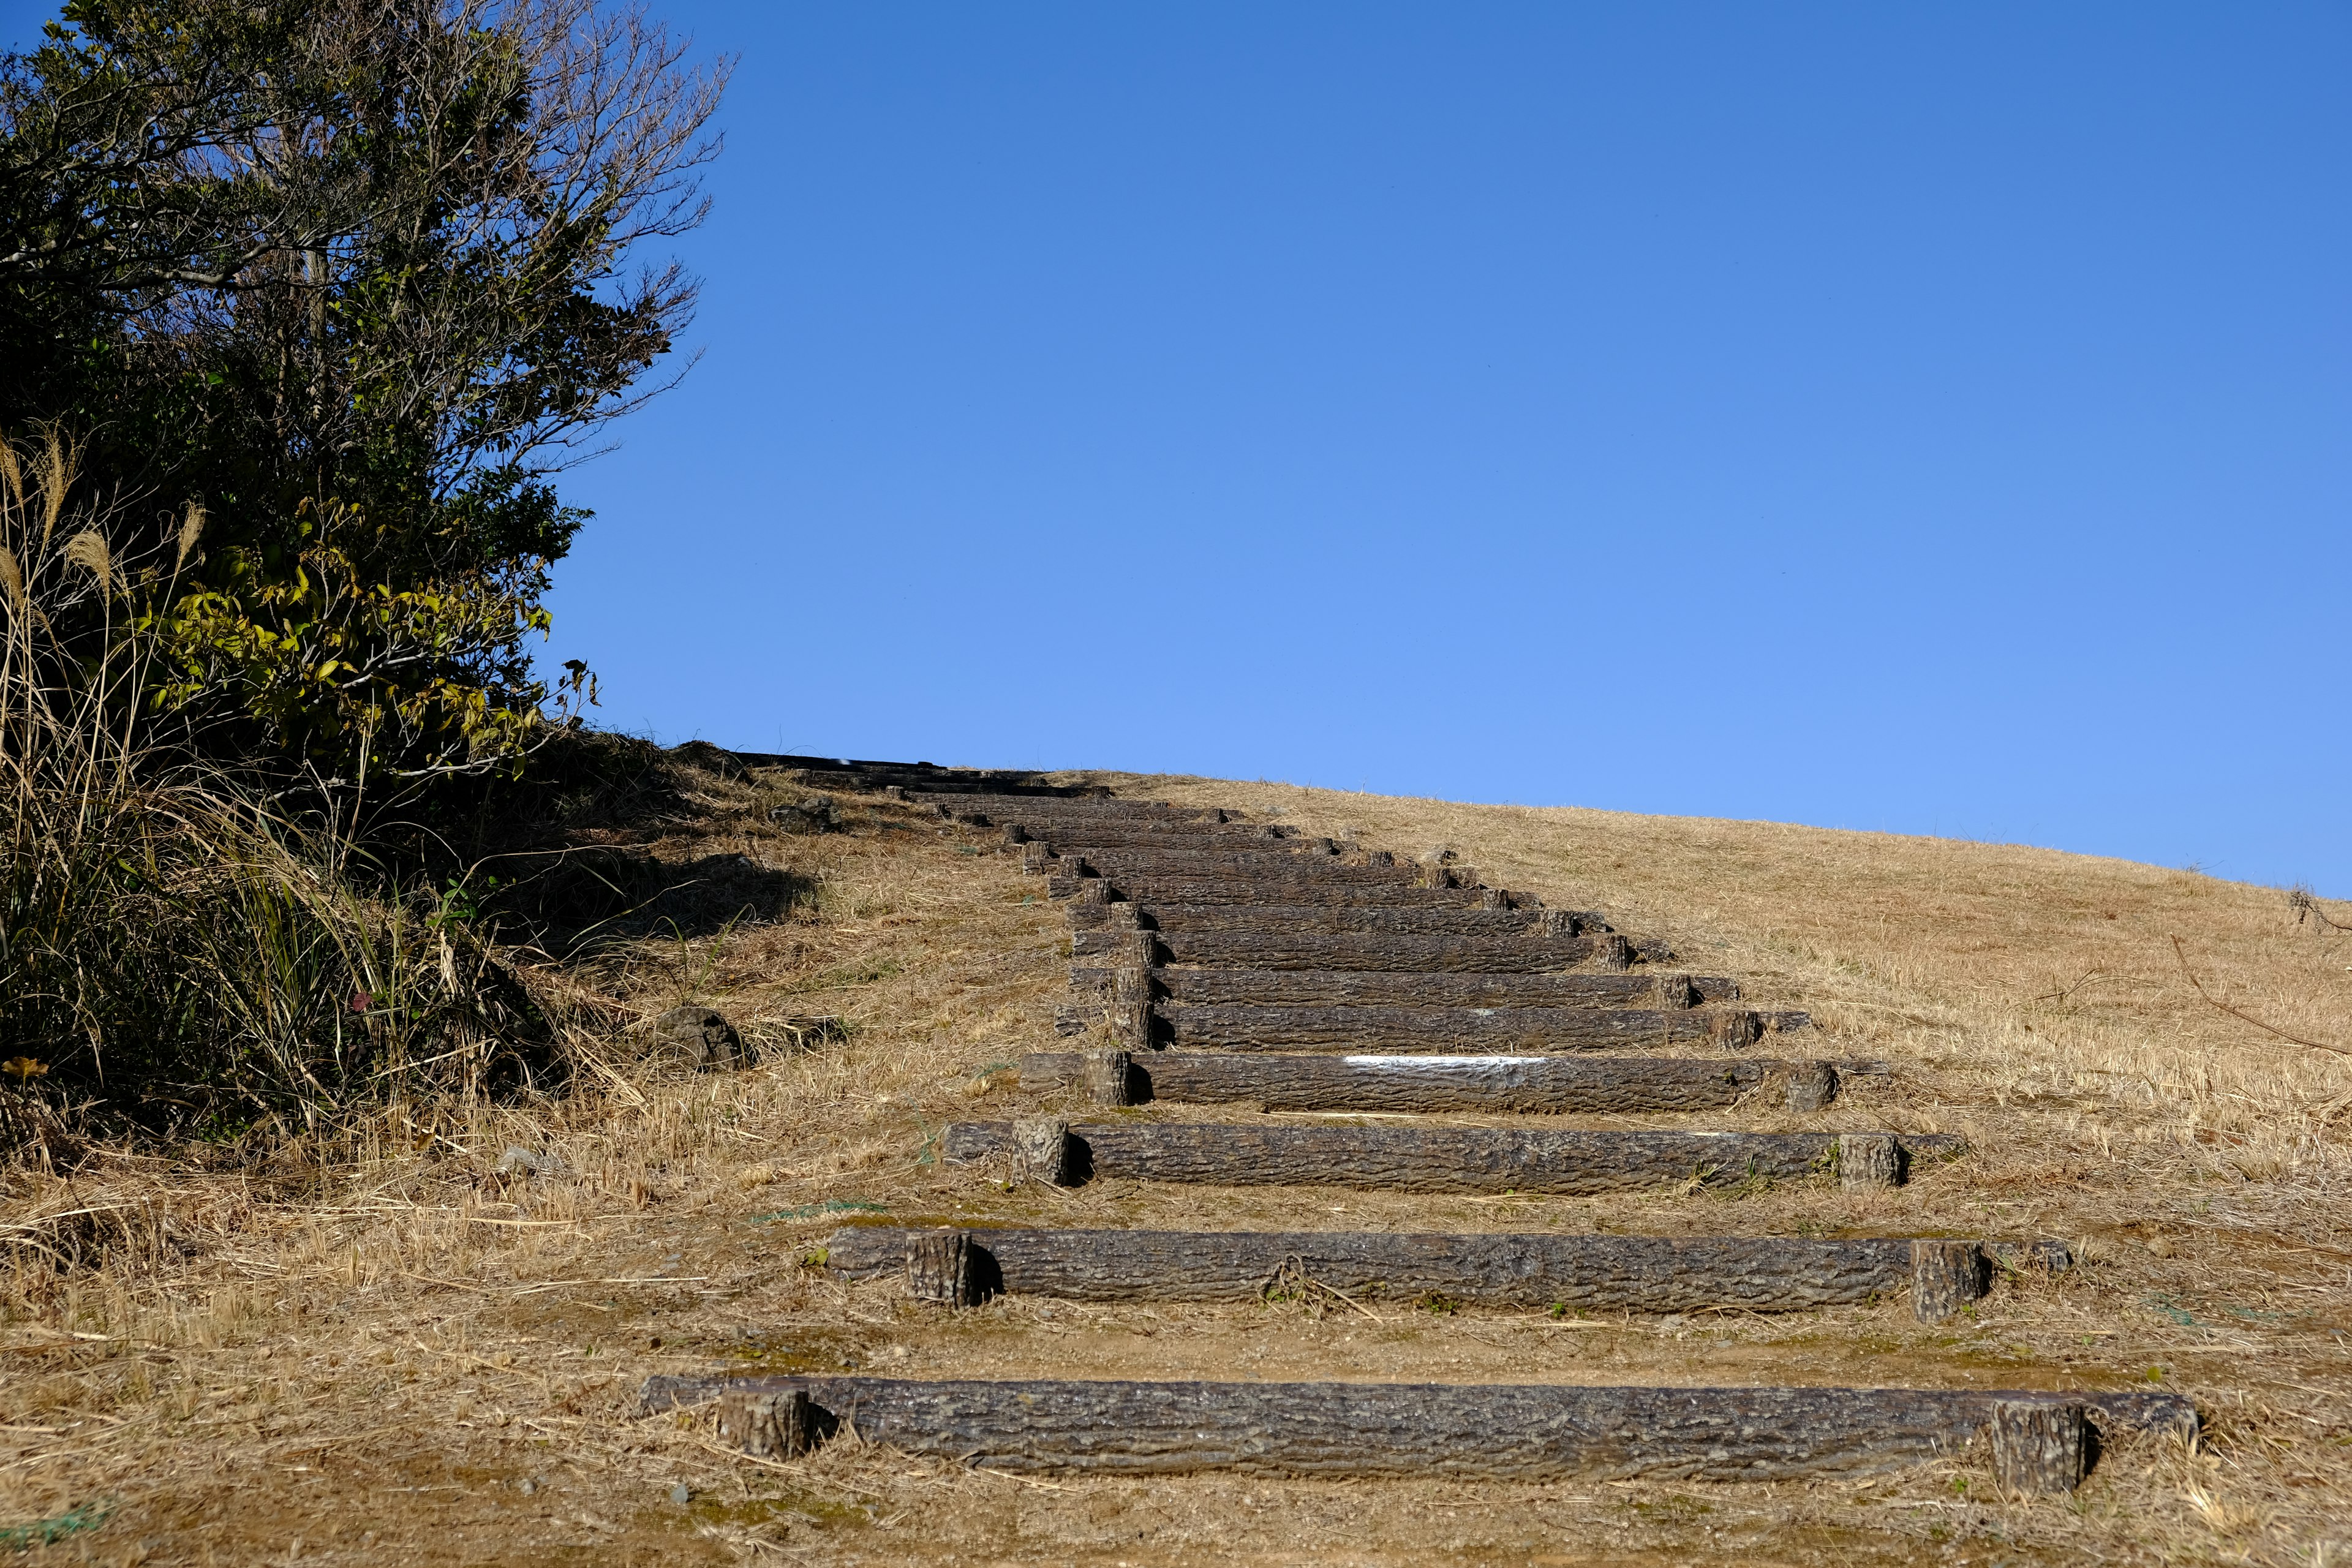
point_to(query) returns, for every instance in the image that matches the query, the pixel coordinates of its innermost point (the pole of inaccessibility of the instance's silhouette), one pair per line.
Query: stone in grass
(702, 1036)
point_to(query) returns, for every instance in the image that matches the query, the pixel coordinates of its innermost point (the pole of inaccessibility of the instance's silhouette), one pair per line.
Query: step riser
(1432, 1160)
(1587, 1273)
(1066, 840)
(1355, 988)
(1147, 893)
(1451, 1031)
(1396, 988)
(1278, 865)
(982, 810)
(1244, 950)
(1483, 1432)
(1496, 1086)
(1337, 919)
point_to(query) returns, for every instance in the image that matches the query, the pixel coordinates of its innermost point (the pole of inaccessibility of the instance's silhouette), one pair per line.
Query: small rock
(2159, 1245)
(527, 1486)
(701, 1035)
(809, 814)
(681, 1493)
(518, 1158)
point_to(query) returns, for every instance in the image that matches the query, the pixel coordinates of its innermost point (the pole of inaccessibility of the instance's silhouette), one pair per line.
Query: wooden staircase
(1221, 961)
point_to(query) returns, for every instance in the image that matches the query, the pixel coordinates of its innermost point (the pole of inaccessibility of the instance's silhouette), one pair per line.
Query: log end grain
(1811, 1086)
(782, 1426)
(1042, 1150)
(942, 1268)
(1868, 1161)
(2039, 1448)
(1945, 1276)
(1109, 1076)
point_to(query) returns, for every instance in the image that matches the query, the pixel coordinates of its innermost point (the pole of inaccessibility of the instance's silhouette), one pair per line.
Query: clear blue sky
(1929, 418)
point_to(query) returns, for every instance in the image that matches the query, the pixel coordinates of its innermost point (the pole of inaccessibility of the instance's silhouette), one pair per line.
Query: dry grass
(386, 1349)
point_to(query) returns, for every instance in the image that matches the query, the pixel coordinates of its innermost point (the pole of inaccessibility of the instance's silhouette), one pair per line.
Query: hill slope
(397, 1352)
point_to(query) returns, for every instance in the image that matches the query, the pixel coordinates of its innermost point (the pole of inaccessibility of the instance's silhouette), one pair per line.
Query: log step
(1309, 949)
(1076, 838)
(1147, 893)
(1525, 1432)
(1407, 988)
(982, 810)
(1432, 1160)
(1336, 920)
(1447, 1030)
(856, 773)
(1497, 1085)
(1585, 1273)
(1248, 865)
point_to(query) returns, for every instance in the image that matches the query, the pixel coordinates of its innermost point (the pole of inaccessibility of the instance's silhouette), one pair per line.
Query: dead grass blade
(2182, 953)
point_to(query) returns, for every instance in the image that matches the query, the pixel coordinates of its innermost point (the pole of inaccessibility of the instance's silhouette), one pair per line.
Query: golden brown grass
(386, 1349)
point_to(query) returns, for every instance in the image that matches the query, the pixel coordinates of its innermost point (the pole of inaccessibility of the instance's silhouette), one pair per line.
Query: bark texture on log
(1485, 1431)
(1040, 1147)
(940, 1266)
(999, 809)
(1454, 1030)
(1536, 1085)
(1812, 1086)
(1272, 866)
(1428, 1160)
(1247, 950)
(1392, 988)
(1867, 1161)
(1945, 1276)
(1598, 1273)
(778, 1424)
(1084, 837)
(1334, 920)
(1109, 1076)
(2040, 1447)
(1203, 891)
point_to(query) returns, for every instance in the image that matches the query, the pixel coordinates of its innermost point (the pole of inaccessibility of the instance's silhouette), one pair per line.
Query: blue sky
(1931, 419)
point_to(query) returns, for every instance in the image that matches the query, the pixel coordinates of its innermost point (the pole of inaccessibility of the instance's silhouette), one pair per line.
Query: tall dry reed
(181, 943)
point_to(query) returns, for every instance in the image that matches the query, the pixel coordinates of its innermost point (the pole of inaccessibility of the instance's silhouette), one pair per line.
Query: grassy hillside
(379, 1343)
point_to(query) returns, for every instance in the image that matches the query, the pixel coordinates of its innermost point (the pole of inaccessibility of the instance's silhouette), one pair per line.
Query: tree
(329, 291)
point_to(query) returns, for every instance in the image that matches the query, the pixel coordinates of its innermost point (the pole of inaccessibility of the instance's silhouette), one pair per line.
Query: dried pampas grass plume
(192, 528)
(88, 550)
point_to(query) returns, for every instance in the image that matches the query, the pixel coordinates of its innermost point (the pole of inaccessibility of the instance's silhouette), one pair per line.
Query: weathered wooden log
(1487, 1431)
(1152, 891)
(781, 1424)
(1041, 1150)
(1614, 952)
(1428, 1160)
(1108, 1077)
(1284, 950)
(1588, 1273)
(1393, 988)
(1945, 1276)
(1080, 837)
(1531, 1085)
(941, 1267)
(2040, 1446)
(1447, 1030)
(1866, 1161)
(1335, 919)
(1269, 866)
(1812, 1085)
(984, 810)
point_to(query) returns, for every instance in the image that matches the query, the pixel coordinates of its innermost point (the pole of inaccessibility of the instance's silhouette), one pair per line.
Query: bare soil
(378, 1348)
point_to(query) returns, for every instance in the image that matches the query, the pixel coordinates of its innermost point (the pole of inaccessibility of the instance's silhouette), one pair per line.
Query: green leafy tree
(329, 291)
